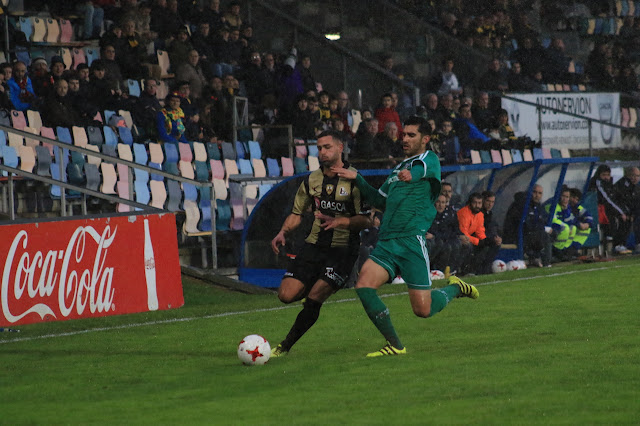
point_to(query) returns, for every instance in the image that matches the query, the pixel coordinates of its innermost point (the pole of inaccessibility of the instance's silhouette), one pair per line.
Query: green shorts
(407, 257)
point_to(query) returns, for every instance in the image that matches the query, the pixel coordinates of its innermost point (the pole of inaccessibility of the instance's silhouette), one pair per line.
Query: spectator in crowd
(220, 107)
(304, 67)
(365, 146)
(20, 88)
(146, 108)
(112, 68)
(56, 110)
(232, 17)
(611, 216)
(132, 54)
(324, 98)
(212, 15)
(40, 77)
(470, 136)
(7, 69)
(506, 134)
(445, 81)
(528, 55)
(494, 79)
(556, 62)
(446, 244)
(518, 81)
(581, 219)
(344, 111)
(93, 18)
(535, 234)
(203, 42)
(179, 49)
(101, 91)
(290, 82)
(484, 249)
(448, 145)
(390, 140)
(251, 74)
(169, 121)
(483, 116)
(446, 108)
(628, 197)
(385, 114)
(237, 48)
(491, 227)
(5, 102)
(454, 201)
(302, 125)
(83, 74)
(143, 23)
(192, 72)
(57, 68)
(430, 110)
(79, 101)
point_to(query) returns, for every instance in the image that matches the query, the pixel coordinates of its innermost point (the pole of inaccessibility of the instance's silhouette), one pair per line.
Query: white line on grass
(278, 308)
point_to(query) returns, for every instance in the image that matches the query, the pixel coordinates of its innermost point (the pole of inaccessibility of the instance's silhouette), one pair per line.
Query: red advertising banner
(91, 267)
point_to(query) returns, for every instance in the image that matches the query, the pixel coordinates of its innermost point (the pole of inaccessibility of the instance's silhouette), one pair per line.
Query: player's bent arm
(370, 194)
(360, 222)
(290, 223)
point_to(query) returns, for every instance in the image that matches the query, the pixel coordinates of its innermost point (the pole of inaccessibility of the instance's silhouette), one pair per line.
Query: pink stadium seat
(78, 57)
(18, 121)
(287, 166)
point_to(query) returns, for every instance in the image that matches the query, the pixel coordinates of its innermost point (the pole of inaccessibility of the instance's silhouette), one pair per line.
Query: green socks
(379, 314)
(441, 297)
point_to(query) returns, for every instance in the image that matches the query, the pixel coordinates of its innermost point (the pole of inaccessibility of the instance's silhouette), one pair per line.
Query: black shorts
(332, 265)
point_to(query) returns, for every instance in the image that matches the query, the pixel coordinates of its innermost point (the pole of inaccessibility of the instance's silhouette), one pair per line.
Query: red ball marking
(255, 353)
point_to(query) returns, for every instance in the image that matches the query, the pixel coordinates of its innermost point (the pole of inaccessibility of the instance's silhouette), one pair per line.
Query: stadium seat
(506, 157)
(66, 32)
(555, 153)
(314, 163)
(244, 166)
(92, 159)
(301, 149)
(91, 54)
(53, 30)
(5, 119)
(564, 153)
(475, 157)
(192, 217)
(299, 165)
(165, 64)
(27, 158)
(526, 155)
(231, 169)
(158, 194)
(123, 192)
(217, 169)
(184, 149)
(47, 132)
(64, 135)
(516, 155)
(92, 174)
(537, 154)
(228, 153)
(108, 114)
(78, 57)
(312, 147)
(223, 215)
(546, 153)
(26, 26)
(254, 150)
(67, 58)
(43, 158)
(109, 178)
(633, 117)
(495, 156)
(220, 189)
(258, 167)
(18, 120)
(287, 166)
(171, 159)
(124, 152)
(485, 156)
(29, 141)
(174, 195)
(155, 153)
(110, 137)
(134, 87)
(125, 135)
(213, 151)
(39, 30)
(241, 151)
(34, 119)
(79, 136)
(273, 169)
(205, 210)
(94, 136)
(127, 118)
(624, 117)
(263, 189)
(15, 140)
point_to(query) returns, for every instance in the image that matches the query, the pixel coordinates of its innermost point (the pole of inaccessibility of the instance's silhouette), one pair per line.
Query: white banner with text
(564, 131)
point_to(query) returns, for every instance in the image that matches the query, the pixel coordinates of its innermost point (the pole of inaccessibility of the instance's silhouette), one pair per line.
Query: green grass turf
(550, 346)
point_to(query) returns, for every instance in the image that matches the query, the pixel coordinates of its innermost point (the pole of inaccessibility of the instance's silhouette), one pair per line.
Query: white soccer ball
(254, 350)
(436, 275)
(498, 266)
(515, 265)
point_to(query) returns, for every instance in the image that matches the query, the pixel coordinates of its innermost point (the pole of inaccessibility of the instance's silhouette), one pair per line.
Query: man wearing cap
(57, 68)
(40, 77)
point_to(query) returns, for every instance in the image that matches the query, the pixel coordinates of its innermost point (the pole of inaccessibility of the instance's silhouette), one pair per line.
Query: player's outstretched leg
(378, 313)
(304, 321)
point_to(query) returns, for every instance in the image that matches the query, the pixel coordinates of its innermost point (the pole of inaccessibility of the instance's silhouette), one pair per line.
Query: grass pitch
(556, 345)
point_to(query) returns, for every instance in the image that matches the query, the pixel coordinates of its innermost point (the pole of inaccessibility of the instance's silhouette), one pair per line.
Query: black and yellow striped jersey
(332, 196)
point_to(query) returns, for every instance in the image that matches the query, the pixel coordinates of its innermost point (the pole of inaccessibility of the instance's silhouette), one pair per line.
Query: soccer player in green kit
(407, 198)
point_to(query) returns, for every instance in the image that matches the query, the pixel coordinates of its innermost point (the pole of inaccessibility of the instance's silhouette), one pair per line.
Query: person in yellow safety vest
(583, 219)
(561, 229)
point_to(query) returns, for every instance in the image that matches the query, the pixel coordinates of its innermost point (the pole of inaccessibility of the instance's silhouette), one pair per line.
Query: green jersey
(408, 207)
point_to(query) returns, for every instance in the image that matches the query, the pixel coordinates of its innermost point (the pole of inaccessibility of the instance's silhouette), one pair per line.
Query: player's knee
(422, 311)
(286, 297)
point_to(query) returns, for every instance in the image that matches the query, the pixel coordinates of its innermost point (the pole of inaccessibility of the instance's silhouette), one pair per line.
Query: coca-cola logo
(38, 273)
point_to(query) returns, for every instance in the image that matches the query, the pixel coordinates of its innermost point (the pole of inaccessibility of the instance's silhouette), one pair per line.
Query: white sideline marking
(278, 308)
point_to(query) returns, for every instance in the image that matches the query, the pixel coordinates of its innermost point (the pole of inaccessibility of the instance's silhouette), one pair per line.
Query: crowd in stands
(214, 57)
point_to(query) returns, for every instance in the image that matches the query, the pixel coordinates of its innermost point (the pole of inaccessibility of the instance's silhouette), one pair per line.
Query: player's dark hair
(474, 196)
(336, 135)
(423, 125)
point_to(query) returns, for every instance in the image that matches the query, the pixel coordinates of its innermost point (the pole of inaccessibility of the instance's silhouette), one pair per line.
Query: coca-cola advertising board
(90, 267)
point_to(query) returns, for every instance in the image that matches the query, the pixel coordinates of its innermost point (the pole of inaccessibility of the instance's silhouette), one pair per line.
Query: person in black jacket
(446, 244)
(536, 235)
(56, 110)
